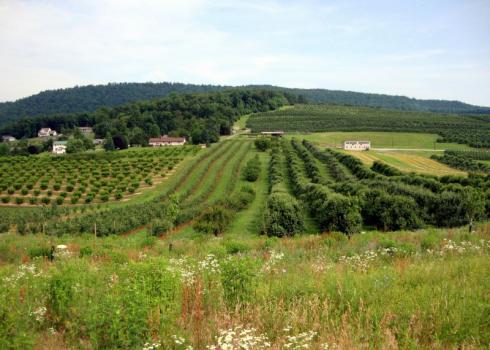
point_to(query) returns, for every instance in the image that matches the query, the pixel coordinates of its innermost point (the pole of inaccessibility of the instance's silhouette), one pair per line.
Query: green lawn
(380, 139)
(247, 221)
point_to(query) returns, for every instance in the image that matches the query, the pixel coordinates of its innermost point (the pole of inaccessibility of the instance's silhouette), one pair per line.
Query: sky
(422, 49)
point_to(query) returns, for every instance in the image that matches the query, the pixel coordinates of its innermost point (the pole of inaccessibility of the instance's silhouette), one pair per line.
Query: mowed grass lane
(247, 222)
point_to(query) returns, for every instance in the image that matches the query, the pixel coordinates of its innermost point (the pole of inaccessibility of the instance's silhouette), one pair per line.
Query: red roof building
(166, 141)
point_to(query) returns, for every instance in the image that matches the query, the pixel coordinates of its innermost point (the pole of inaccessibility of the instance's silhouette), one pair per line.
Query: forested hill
(89, 98)
(403, 103)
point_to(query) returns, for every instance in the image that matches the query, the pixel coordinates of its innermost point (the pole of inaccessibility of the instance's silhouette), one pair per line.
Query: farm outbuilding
(278, 133)
(357, 145)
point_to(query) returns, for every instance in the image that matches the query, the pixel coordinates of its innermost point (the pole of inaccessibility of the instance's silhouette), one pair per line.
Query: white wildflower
(38, 313)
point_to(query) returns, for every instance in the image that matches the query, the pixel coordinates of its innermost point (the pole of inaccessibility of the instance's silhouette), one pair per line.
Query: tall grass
(425, 289)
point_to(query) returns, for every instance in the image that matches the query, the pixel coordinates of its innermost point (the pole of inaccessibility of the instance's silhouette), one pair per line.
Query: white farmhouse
(46, 132)
(357, 145)
(167, 141)
(59, 147)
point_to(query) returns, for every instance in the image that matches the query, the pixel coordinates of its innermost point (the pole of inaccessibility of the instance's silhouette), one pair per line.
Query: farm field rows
(86, 179)
(406, 161)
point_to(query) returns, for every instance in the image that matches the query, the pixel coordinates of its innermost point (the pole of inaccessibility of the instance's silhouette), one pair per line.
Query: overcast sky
(423, 49)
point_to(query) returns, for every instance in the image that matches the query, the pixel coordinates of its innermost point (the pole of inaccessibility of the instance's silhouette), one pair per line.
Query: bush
(391, 212)
(214, 220)
(34, 252)
(262, 144)
(86, 251)
(251, 171)
(160, 226)
(19, 200)
(459, 207)
(283, 215)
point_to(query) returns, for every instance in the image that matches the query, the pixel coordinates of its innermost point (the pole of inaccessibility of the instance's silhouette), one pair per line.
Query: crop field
(470, 130)
(407, 162)
(396, 140)
(85, 179)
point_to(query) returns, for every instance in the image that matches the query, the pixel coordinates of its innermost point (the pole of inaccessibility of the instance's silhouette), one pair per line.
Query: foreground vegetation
(425, 289)
(470, 130)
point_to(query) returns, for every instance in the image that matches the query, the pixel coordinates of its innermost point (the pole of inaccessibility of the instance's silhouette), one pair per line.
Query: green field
(397, 140)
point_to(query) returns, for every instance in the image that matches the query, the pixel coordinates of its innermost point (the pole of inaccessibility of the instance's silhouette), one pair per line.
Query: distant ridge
(91, 97)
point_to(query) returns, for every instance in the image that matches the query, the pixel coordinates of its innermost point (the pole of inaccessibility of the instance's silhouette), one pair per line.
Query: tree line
(87, 99)
(201, 118)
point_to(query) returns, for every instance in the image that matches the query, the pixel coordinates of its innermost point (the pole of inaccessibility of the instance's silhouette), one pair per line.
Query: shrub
(86, 251)
(214, 220)
(45, 200)
(160, 226)
(251, 171)
(283, 215)
(5, 199)
(19, 200)
(391, 212)
(459, 207)
(262, 144)
(60, 200)
(34, 252)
